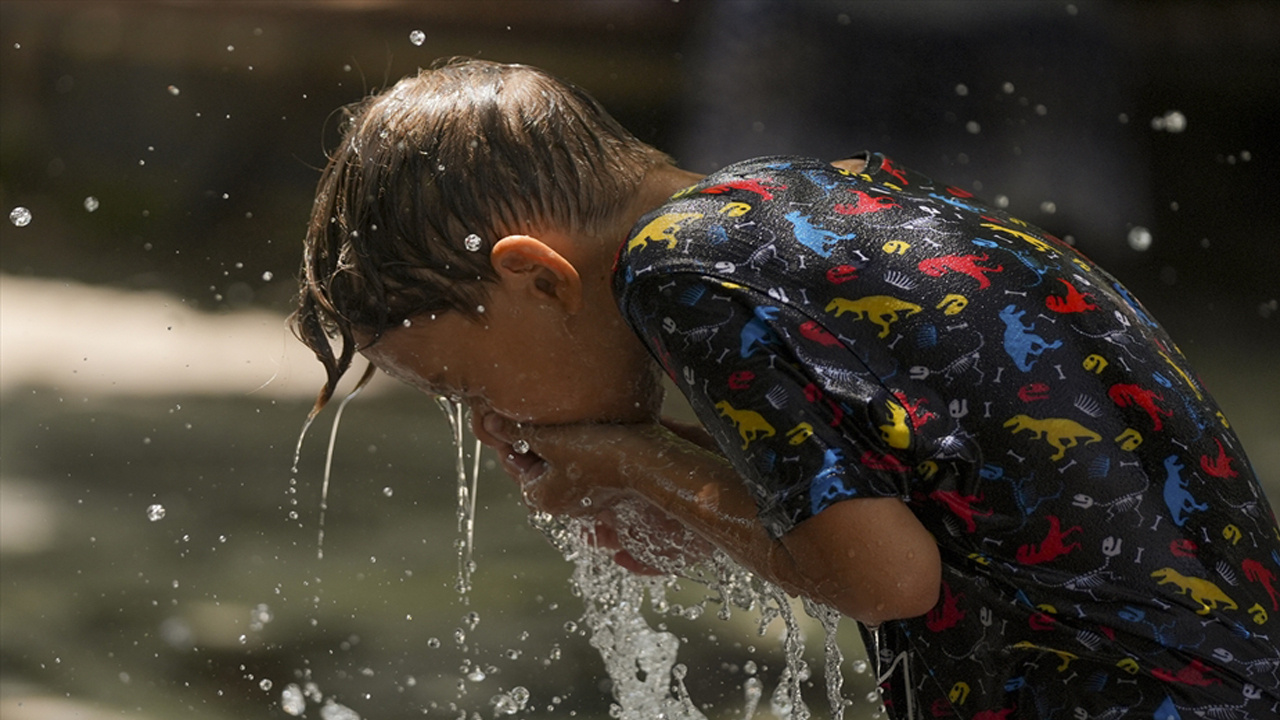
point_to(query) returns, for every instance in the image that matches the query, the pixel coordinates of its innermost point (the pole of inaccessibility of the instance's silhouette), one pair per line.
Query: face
(527, 361)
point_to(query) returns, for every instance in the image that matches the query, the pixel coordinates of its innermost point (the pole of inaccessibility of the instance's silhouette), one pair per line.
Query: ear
(528, 265)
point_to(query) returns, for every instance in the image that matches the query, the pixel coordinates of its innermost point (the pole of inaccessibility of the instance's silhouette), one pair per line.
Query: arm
(869, 558)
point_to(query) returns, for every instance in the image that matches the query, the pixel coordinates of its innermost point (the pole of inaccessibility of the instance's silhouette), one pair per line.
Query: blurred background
(157, 162)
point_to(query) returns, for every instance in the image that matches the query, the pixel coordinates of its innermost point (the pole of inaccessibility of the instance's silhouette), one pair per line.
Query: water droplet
(91, 203)
(388, 491)
(859, 666)
(520, 447)
(265, 684)
(292, 701)
(267, 276)
(973, 127)
(155, 512)
(337, 711)
(1171, 122)
(173, 90)
(571, 627)
(20, 216)
(1139, 238)
(962, 89)
(472, 242)
(433, 643)
(586, 502)
(417, 37)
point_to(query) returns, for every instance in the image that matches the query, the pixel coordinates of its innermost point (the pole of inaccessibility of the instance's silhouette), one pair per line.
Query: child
(939, 420)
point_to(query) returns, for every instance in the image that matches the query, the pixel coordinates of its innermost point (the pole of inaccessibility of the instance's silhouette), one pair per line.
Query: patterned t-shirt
(1107, 550)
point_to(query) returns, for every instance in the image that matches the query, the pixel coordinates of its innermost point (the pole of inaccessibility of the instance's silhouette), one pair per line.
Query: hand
(595, 471)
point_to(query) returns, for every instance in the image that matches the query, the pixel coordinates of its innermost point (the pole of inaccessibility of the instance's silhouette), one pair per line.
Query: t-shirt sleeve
(803, 419)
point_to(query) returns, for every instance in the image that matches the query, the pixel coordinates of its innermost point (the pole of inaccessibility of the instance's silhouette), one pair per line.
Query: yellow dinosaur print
(661, 229)
(1200, 590)
(1063, 655)
(897, 433)
(1035, 242)
(750, 424)
(880, 309)
(1185, 377)
(1060, 433)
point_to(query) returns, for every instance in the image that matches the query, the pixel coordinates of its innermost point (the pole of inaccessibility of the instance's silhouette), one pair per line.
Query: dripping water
(328, 460)
(467, 491)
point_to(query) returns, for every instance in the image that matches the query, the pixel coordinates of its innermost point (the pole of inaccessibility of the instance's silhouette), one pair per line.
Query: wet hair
(429, 174)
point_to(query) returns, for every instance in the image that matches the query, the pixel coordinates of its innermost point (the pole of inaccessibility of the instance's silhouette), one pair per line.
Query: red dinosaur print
(741, 380)
(1221, 466)
(918, 418)
(1183, 548)
(750, 185)
(842, 274)
(1053, 547)
(1255, 572)
(961, 505)
(813, 394)
(811, 330)
(1074, 302)
(1193, 674)
(865, 203)
(1127, 394)
(966, 264)
(1042, 621)
(888, 167)
(1033, 391)
(889, 463)
(947, 612)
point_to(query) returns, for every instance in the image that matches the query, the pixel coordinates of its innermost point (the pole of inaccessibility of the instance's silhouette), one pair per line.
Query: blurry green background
(144, 360)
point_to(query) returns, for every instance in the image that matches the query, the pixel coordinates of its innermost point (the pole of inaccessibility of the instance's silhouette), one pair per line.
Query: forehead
(427, 352)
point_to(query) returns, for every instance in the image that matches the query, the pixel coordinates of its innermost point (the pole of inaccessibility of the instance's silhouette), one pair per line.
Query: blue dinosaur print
(757, 331)
(828, 485)
(1133, 304)
(815, 238)
(1176, 496)
(1019, 342)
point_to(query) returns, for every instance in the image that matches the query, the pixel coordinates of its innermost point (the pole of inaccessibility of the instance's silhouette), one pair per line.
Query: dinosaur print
(865, 203)
(947, 612)
(1209, 596)
(1255, 572)
(1053, 546)
(749, 185)
(749, 423)
(1060, 433)
(1126, 394)
(757, 332)
(1176, 496)
(661, 229)
(964, 264)
(1019, 342)
(828, 485)
(1219, 467)
(820, 241)
(880, 309)
(1074, 301)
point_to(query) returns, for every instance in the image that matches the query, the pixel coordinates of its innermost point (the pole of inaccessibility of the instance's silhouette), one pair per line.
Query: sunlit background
(150, 397)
